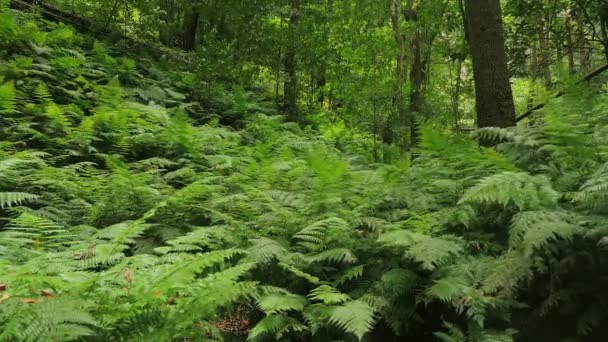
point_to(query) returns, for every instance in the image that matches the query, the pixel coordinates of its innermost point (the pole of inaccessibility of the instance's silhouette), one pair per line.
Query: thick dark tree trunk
(190, 29)
(493, 92)
(290, 87)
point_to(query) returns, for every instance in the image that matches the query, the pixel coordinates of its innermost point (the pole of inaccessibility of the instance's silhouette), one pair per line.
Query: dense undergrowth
(130, 213)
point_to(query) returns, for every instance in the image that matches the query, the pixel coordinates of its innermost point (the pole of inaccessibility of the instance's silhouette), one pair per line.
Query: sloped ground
(130, 213)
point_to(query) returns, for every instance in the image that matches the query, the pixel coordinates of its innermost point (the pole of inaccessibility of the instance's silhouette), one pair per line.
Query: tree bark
(544, 56)
(290, 86)
(570, 42)
(190, 29)
(416, 79)
(456, 94)
(494, 97)
(603, 13)
(400, 117)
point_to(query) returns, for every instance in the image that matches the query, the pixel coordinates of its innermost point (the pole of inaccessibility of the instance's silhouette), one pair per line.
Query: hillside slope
(131, 213)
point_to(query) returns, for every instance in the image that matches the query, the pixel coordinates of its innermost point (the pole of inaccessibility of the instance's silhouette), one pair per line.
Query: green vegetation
(156, 184)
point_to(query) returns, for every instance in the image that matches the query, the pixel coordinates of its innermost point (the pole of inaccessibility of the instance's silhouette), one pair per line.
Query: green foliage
(521, 190)
(354, 317)
(130, 211)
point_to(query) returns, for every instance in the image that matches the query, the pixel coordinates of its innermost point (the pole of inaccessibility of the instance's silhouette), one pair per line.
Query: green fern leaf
(335, 255)
(8, 199)
(533, 230)
(355, 317)
(520, 189)
(265, 250)
(277, 325)
(277, 303)
(431, 252)
(328, 295)
(8, 103)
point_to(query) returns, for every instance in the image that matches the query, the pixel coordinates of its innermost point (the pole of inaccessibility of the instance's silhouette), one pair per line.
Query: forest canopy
(303, 170)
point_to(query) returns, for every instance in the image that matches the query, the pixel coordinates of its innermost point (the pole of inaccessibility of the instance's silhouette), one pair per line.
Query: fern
(531, 231)
(278, 303)
(316, 235)
(8, 103)
(8, 199)
(521, 190)
(47, 320)
(35, 233)
(594, 192)
(328, 295)
(355, 317)
(265, 250)
(277, 325)
(335, 255)
(430, 252)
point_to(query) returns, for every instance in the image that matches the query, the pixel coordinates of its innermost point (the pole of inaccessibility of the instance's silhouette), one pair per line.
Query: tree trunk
(190, 28)
(570, 42)
(456, 95)
(604, 26)
(400, 75)
(290, 86)
(544, 56)
(494, 97)
(416, 79)
(277, 84)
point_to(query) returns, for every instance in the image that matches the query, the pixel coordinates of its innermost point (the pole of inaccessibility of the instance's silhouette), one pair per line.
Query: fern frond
(355, 317)
(32, 232)
(328, 295)
(299, 273)
(8, 104)
(277, 325)
(264, 250)
(520, 189)
(533, 230)
(594, 193)
(396, 282)
(335, 255)
(49, 320)
(509, 271)
(315, 235)
(430, 252)
(8, 199)
(448, 289)
(277, 303)
(350, 274)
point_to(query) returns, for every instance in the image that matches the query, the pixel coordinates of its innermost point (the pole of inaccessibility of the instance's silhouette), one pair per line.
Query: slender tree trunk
(400, 75)
(416, 79)
(494, 97)
(291, 78)
(190, 29)
(534, 65)
(163, 32)
(456, 94)
(544, 56)
(604, 26)
(277, 85)
(321, 74)
(584, 52)
(570, 42)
